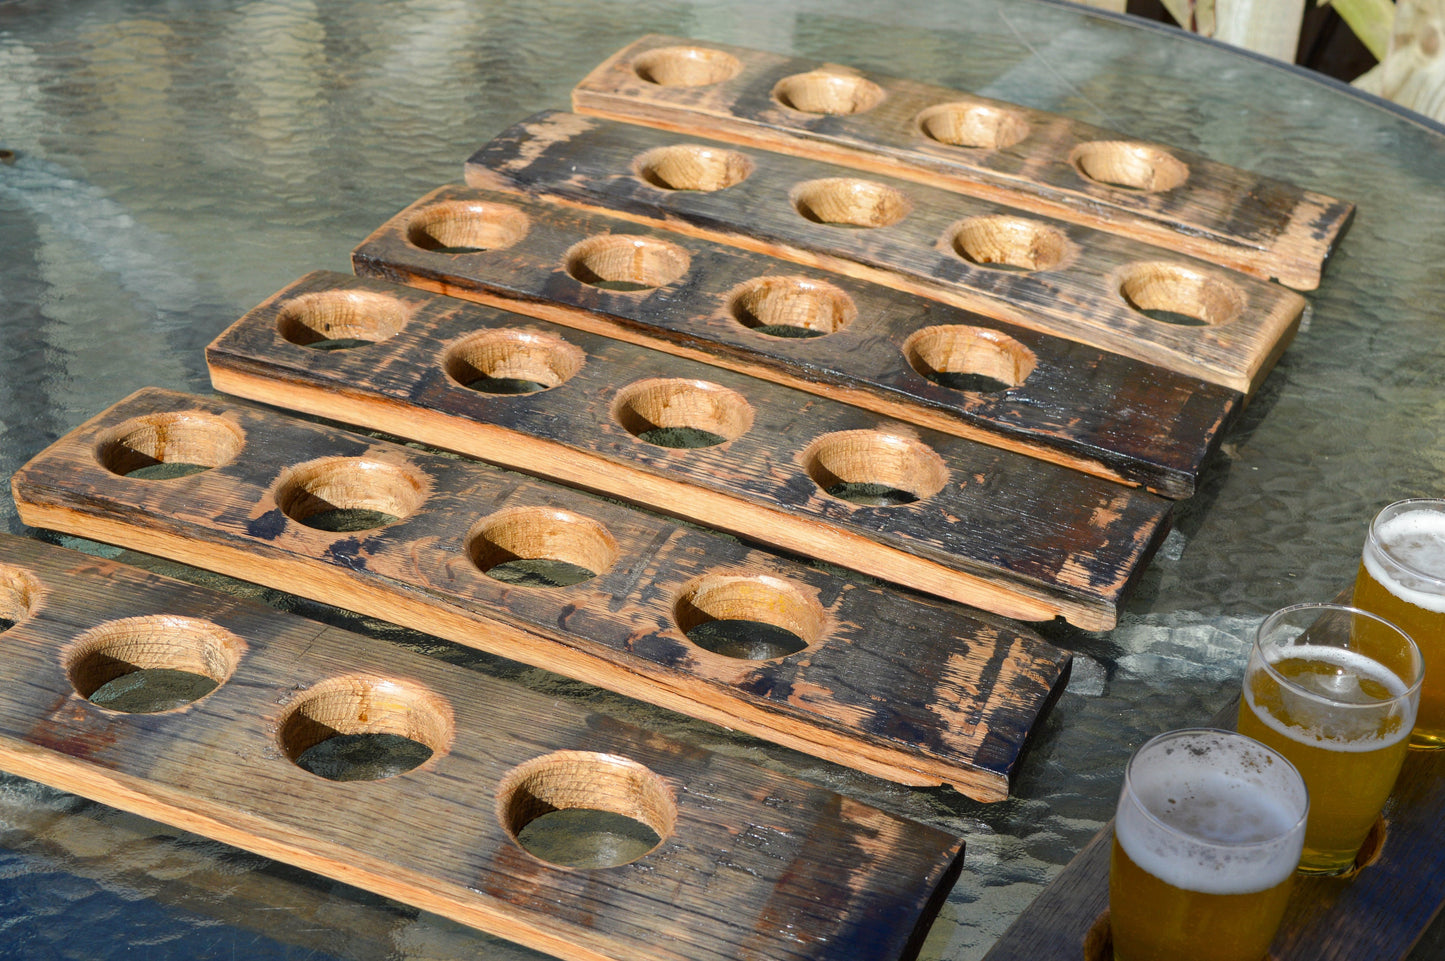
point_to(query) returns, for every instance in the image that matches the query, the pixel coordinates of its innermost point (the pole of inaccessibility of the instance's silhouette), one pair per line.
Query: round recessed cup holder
(340, 319)
(749, 617)
(874, 469)
(144, 665)
(1128, 165)
(541, 547)
(364, 728)
(1180, 295)
(625, 262)
(979, 125)
(828, 92)
(795, 307)
(968, 358)
(466, 227)
(512, 361)
(169, 445)
(19, 592)
(343, 494)
(849, 202)
(686, 66)
(682, 414)
(609, 810)
(693, 167)
(1005, 242)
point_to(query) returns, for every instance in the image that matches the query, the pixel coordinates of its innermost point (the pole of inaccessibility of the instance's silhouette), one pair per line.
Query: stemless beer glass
(1206, 839)
(1335, 690)
(1402, 579)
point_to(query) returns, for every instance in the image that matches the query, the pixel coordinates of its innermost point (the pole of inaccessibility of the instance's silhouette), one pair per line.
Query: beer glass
(1206, 839)
(1334, 689)
(1402, 579)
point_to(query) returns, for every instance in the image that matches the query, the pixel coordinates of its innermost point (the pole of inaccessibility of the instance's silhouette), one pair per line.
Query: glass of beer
(1402, 579)
(1206, 839)
(1334, 689)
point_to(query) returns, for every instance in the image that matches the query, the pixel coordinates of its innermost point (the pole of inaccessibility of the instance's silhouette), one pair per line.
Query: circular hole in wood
(624, 262)
(874, 469)
(682, 414)
(466, 227)
(1004, 242)
(586, 810)
(693, 167)
(363, 728)
(975, 359)
(340, 319)
(541, 547)
(980, 125)
(791, 307)
(343, 494)
(846, 202)
(1176, 294)
(143, 665)
(750, 617)
(686, 66)
(827, 92)
(169, 445)
(512, 361)
(1132, 166)
(18, 593)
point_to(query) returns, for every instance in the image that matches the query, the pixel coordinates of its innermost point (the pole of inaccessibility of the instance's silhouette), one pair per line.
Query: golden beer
(1334, 689)
(1402, 579)
(1207, 835)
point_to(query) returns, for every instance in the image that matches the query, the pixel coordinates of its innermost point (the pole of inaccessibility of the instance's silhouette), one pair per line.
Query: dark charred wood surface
(901, 686)
(816, 876)
(1232, 217)
(1102, 412)
(1075, 290)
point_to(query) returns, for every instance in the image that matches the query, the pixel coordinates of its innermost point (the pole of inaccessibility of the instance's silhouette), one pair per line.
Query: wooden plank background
(890, 683)
(751, 863)
(997, 151)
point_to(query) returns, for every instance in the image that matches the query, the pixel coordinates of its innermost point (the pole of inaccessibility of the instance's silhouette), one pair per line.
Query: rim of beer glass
(1433, 582)
(1128, 790)
(1417, 661)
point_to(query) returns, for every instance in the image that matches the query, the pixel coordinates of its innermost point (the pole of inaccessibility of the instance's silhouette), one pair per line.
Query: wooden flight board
(905, 356)
(747, 863)
(894, 684)
(1378, 912)
(1112, 292)
(988, 527)
(997, 151)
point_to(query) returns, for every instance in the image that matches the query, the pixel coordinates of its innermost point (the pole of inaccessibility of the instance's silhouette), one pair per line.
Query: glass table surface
(170, 164)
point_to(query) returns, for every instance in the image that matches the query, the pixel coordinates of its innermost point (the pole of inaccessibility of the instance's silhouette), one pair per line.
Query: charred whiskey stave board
(994, 150)
(991, 528)
(1100, 412)
(896, 685)
(750, 864)
(1063, 279)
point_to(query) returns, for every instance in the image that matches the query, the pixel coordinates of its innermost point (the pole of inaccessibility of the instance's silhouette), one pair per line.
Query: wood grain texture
(997, 151)
(751, 863)
(873, 347)
(1379, 912)
(1059, 278)
(894, 684)
(989, 527)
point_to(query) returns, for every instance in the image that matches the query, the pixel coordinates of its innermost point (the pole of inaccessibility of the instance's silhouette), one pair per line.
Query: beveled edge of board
(1292, 247)
(405, 583)
(74, 604)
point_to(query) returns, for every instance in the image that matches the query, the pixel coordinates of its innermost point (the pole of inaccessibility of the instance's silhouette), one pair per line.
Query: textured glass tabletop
(171, 164)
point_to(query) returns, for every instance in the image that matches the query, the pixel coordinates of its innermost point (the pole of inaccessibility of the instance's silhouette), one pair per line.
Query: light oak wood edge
(315, 580)
(255, 834)
(1243, 377)
(809, 537)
